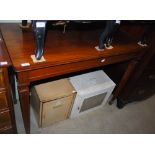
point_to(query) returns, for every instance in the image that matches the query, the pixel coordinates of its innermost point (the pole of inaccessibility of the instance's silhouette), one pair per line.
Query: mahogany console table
(64, 53)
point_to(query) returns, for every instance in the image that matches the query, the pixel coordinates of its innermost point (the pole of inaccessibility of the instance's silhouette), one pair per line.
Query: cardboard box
(52, 101)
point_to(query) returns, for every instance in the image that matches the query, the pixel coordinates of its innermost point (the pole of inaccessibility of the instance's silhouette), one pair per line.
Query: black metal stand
(106, 37)
(39, 28)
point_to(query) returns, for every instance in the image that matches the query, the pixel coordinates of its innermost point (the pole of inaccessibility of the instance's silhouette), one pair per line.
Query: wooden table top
(73, 46)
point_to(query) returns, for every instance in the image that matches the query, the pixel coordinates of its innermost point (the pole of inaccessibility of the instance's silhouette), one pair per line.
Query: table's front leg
(24, 102)
(23, 90)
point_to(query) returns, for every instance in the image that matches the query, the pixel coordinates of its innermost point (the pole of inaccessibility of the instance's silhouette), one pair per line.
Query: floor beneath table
(137, 117)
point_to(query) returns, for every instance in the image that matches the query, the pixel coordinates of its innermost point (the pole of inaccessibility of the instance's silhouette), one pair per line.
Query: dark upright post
(106, 37)
(24, 22)
(39, 28)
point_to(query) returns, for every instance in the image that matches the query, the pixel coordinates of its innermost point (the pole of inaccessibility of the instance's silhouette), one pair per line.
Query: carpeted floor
(137, 117)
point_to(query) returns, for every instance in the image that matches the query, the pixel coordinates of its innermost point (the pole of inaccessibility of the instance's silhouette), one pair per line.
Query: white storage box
(52, 101)
(93, 90)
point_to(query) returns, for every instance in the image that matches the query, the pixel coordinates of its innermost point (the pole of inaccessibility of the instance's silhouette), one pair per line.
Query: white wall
(10, 21)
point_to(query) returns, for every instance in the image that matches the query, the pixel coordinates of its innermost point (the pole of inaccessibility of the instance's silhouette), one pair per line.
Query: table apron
(47, 72)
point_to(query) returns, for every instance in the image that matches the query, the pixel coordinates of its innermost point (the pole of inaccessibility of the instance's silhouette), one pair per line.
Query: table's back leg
(124, 79)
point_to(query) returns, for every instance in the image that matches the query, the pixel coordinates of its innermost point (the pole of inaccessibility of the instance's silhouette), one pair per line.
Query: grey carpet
(137, 117)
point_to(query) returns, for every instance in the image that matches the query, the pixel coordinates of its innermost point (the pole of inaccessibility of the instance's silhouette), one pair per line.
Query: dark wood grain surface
(60, 48)
(4, 56)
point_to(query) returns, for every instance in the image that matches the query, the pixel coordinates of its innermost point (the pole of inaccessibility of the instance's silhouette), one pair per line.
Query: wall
(10, 21)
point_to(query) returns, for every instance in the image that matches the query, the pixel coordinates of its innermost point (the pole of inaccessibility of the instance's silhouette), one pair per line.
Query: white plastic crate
(93, 90)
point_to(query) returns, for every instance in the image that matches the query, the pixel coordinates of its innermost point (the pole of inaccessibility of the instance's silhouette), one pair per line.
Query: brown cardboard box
(52, 101)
